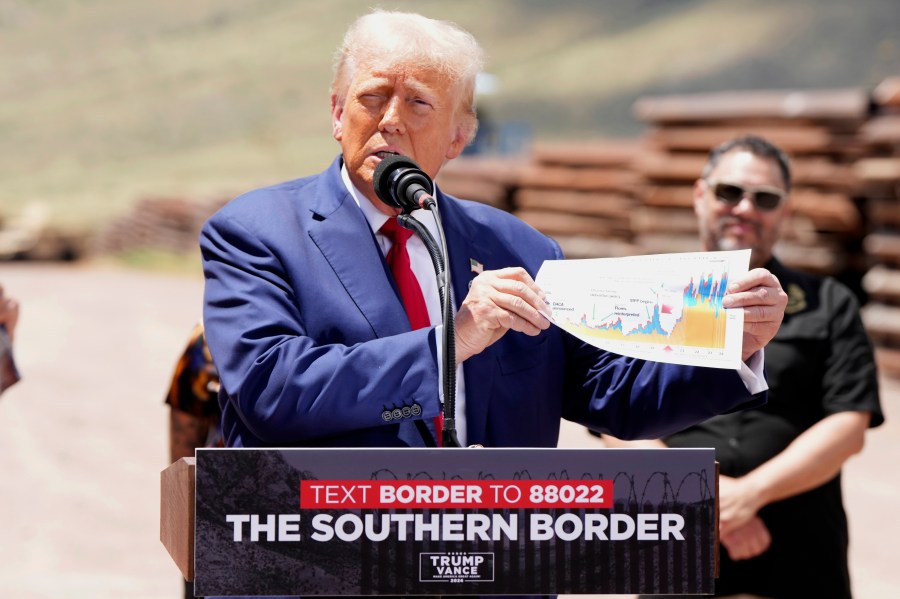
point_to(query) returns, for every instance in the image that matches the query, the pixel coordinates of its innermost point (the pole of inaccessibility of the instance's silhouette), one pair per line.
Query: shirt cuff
(751, 373)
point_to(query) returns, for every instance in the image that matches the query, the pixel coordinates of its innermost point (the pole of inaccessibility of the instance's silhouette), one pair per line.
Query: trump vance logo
(456, 566)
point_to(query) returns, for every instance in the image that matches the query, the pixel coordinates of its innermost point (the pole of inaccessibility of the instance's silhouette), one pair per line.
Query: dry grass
(104, 102)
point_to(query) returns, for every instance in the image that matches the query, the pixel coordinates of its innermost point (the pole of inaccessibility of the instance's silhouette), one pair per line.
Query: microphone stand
(438, 259)
(400, 183)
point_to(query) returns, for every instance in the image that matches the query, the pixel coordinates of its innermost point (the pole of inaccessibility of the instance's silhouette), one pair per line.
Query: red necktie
(398, 260)
(410, 291)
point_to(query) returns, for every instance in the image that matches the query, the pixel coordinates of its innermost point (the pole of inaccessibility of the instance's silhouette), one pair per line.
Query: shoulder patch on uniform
(796, 299)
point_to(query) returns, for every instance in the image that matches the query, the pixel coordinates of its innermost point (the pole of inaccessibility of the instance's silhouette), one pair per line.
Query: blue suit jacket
(313, 345)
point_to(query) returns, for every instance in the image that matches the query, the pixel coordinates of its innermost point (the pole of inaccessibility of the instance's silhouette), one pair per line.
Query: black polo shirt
(819, 363)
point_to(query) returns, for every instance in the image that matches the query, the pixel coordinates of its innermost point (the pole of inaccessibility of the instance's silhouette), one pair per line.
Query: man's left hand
(760, 295)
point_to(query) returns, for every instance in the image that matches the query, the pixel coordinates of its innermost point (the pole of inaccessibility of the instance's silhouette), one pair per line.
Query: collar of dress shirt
(376, 218)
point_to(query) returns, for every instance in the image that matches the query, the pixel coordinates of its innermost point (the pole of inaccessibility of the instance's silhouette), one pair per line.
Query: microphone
(400, 183)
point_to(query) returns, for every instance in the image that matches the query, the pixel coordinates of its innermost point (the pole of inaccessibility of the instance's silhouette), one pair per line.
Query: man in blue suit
(308, 330)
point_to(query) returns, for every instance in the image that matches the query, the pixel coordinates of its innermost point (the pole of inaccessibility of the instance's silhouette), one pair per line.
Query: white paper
(664, 308)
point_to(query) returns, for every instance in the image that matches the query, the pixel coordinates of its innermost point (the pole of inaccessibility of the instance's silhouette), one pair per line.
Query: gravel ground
(83, 440)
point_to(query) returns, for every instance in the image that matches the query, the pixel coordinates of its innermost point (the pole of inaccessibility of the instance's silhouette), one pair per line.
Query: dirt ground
(83, 440)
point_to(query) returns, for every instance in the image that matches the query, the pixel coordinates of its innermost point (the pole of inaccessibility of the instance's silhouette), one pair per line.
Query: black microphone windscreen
(398, 182)
(384, 177)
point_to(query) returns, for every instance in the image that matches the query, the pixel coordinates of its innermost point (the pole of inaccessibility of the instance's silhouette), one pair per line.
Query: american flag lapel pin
(476, 266)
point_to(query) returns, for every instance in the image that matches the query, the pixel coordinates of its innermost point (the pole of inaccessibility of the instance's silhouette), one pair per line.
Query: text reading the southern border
(473, 494)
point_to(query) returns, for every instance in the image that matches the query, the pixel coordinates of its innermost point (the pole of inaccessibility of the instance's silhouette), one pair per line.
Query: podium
(442, 521)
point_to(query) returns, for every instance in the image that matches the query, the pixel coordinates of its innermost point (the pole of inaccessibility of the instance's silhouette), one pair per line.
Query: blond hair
(384, 38)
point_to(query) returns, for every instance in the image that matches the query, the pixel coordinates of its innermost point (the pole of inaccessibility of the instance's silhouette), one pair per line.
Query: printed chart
(665, 308)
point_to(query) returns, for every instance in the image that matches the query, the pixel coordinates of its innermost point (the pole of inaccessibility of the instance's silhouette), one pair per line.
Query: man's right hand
(747, 541)
(498, 301)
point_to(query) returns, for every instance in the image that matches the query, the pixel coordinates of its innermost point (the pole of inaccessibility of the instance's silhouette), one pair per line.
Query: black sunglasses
(764, 198)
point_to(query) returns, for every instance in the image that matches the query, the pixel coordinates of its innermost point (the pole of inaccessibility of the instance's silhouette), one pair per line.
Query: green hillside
(103, 102)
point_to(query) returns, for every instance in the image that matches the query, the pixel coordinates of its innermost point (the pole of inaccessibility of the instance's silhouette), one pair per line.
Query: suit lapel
(340, 231)
(463, 247)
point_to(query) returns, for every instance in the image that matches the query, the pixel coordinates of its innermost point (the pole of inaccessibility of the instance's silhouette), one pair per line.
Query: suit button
(397, 414)
(407, 411)
(386, 416)
(416, 410)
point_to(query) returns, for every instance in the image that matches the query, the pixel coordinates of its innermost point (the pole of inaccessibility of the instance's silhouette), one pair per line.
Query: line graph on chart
(665, 308)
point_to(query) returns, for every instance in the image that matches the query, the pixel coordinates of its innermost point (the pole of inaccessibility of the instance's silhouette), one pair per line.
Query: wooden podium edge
(176, 514)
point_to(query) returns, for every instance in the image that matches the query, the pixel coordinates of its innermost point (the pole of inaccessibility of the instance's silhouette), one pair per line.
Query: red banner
(459, 494)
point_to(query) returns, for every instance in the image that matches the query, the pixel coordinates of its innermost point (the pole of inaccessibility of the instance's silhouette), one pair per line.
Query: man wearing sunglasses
(782, 528)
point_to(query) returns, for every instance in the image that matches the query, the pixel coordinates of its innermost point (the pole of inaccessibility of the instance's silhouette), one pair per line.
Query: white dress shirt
(423, 269)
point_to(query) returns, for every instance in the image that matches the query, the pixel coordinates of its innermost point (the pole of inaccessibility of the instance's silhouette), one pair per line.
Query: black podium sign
(454, 522)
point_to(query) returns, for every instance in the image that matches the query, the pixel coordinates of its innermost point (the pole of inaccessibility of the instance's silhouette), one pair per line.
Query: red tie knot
(393, 231)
